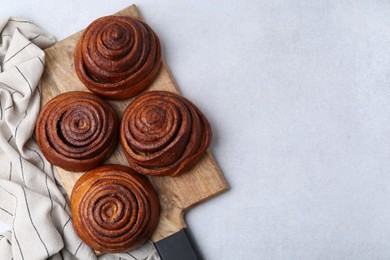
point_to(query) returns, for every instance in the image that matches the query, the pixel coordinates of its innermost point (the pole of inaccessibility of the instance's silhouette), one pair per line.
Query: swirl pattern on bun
(114, 209)
(162, 133)
(76, 131)
(117, 57)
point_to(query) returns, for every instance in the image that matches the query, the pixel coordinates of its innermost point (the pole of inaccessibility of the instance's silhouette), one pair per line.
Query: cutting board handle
(171, 218)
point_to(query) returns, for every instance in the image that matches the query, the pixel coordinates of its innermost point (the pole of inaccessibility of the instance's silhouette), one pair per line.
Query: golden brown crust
(114, 209)
(162, 133)
(76, 131)
(117, 57)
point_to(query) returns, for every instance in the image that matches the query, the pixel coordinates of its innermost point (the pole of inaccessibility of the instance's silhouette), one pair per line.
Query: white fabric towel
(32, 203)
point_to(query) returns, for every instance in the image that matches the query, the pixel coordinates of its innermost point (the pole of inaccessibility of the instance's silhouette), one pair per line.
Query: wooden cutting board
(176, 195)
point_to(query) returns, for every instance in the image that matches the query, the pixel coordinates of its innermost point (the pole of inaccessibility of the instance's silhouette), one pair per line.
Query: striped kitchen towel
(32, 202)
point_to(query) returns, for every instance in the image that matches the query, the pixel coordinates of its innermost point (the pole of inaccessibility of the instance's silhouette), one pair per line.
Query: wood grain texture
(176, 195)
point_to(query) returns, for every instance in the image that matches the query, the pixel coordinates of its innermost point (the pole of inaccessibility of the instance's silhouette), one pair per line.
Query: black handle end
(177, 247)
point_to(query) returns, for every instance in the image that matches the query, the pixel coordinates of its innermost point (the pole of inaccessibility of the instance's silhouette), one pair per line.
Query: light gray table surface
(298, 94)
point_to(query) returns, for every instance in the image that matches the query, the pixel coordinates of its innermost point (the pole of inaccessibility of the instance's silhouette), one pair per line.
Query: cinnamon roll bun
(114, 209)
(117, 57)
(162, 133)
(76, 131)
